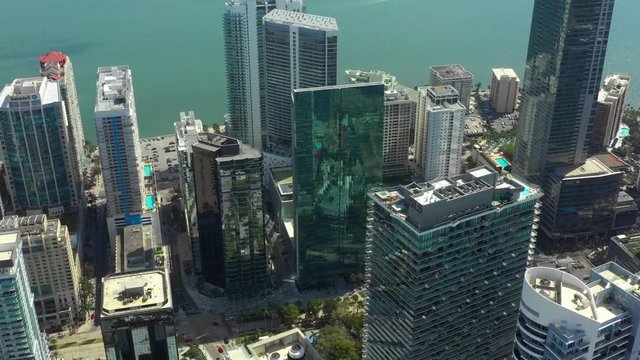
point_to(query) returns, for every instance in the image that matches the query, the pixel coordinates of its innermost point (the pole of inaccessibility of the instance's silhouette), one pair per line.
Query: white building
(563, 318)
(455, 75)
(20, 336)
(291, 344)
(439, 131)
(504, 90)
(609, 111)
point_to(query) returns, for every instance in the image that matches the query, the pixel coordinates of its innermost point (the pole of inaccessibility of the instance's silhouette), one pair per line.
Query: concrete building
(38, 147)
(609, 111)
(20, 336)
(455, 75)
(301, 51)
(228, 187)
(244, 55)
(137, 316)
(439, 132)
(291, 344)
(624, 250)
(119, 142)
(53, 271)
(399, 118)
(445, 261)
(281, 200)
(504, 90)
(563, 318)
(57, 67)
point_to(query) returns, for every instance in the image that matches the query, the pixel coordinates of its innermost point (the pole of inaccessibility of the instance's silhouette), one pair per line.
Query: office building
(37, 147)
(609, 111)
(504, 90)
(563, 318)
(439, 131)
(20, 336)
(455, 75)
(579, 205)
(399, 116)
(291, 344)
(228, 187)
(52, 269)
(119, 142)
(337, 160)
(301, 51)
(137, 316)
(281, 200)
(244, 55)
(445, 261)
(57, 67)
(563, 71)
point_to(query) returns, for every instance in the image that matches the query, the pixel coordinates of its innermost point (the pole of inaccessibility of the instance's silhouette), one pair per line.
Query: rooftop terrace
(30, 89)
(114, 89)
(139, 292)
(451, 72)
(592, 167)
(302, 19)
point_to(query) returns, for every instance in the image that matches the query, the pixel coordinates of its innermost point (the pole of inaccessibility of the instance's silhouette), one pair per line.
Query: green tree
(290, 313)
(87, 294)
(313, 308)
(329, 306)
(334, 343)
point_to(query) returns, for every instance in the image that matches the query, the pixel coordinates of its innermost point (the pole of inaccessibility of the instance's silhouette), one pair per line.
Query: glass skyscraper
(566, 55)
(337, 160)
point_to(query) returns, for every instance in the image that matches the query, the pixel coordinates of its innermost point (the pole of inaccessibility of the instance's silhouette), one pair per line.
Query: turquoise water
(502, 162)
(150, 201)
(175, 46)
(525, 192)
(147, 171)
(624, 132)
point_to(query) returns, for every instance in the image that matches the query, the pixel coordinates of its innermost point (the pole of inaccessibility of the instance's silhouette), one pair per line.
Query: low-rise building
(290, 344)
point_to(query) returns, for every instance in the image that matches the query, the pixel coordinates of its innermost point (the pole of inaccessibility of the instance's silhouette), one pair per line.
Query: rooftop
(591, 167)
(290, 344)
(631, 242)
(138, 291)
(611, 161)
(9, 243)
(295, 18)
(29, 89)
(504, 72)
(450, 72)
(283, 177)
(359, 76)
(227, 148)
(114, 89)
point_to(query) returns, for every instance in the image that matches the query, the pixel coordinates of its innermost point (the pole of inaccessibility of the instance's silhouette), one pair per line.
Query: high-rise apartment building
(399, 116)
(455, 75)
(244, 53)
(57, 67)
(504, 90)
(228, 188)
(439, 131)
(563, 318)
(37, 147)
(52, 270)
(119, 141)
(563, 71)
(20, 336)
(609, 111)
(337, 160)
(301, 51)
(445, 261)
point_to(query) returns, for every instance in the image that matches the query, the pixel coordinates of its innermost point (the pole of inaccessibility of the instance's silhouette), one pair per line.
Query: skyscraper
(51, 267)
(244, 53)
(563, 318)
(445, 261)
(119, 141)
(57, 67)
(337, 160)
(20, 336)
(504, 90)
(455, 75)
(563, 71)
(399, 118)
(609, 111)
(228, 187)
(37, 147)
(439, 131)
(301, 51)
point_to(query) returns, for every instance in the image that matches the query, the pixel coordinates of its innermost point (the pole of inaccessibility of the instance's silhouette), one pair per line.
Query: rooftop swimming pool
(150, 201)
(624, 132)
(502, 162)
(147, 170)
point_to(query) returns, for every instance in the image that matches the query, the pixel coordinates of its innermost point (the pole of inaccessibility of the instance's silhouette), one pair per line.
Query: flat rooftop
(300, 19)
(228, 148)
(8, 245)
(611, 161)
(114, 89)
(450, 72)
(137, 291)
(283, 177)
(500, 72)
(29, 89)
(591, 167)
(442, 91)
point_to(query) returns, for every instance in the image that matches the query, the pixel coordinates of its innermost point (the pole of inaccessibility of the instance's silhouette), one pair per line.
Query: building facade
(118, 141)
(20, 336)
(228, 188)
(456, 76)
(445, 261)
(337, 160)
(53, 272)
(563, 318)
(244, 55)
(609, 111)
(624, 250)
(567, 48)
(301, 51)
(504, 90)
(38, 147)
(439, 131)
(399, 116)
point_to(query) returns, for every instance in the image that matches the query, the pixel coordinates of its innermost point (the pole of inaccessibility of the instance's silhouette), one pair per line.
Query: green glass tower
(337, 160)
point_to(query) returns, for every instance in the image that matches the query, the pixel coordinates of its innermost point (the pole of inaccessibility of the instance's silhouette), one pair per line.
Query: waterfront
(175, 46)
